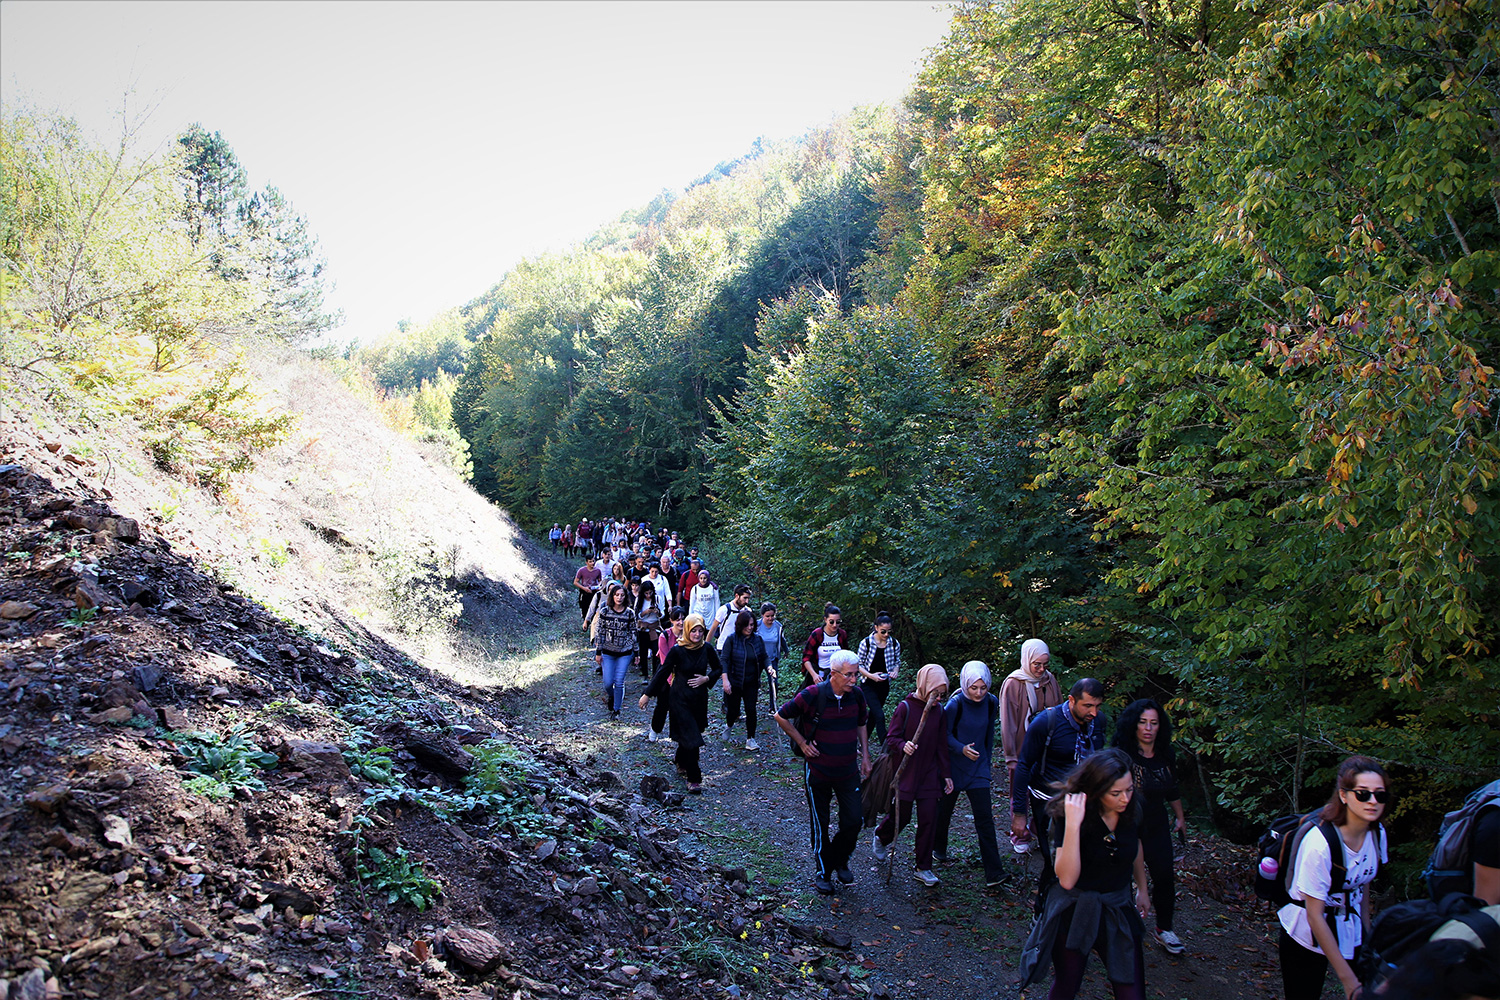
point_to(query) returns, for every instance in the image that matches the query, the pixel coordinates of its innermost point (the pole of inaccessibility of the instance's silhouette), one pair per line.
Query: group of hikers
(1098, 803)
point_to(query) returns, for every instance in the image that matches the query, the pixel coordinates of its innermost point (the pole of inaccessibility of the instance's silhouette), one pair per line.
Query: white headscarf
(972, 671)
(1030, 650)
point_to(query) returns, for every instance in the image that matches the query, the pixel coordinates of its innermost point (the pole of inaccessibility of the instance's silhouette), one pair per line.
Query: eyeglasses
(882, 631)
(1366, 794)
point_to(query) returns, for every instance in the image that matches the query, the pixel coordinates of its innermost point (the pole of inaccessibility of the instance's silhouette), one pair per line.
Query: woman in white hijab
(1028, 690)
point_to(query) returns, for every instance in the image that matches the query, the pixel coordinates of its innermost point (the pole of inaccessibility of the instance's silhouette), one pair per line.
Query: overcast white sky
(433, 145)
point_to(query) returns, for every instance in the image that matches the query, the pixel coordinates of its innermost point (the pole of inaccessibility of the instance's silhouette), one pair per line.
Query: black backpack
(993, 704)
(808, 727)
(1280, 843)
(1401, 929)
(1450, 869)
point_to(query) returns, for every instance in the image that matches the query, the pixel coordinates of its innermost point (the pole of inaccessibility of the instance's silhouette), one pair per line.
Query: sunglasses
(1365, 794)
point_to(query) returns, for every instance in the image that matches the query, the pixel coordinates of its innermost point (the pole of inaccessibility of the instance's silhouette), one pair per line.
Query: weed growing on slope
(222, 764)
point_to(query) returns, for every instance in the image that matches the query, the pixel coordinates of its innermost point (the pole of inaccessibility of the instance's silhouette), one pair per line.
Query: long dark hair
(1336, 812)
(1125, 737)
(1095, 776)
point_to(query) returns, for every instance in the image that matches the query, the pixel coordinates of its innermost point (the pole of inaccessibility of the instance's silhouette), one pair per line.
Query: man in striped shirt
(836, 758)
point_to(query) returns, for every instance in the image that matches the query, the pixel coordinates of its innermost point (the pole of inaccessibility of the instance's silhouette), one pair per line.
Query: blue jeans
(616, 665)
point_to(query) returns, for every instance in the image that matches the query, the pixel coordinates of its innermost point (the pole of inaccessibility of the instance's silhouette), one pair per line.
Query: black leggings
(1157, 846)
(686, 759)
(745, 695)
(1303, 970)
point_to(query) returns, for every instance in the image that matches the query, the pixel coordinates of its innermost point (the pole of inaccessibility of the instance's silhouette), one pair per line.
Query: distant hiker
(1056, 741)
(1090, 907)
(567, 541)
(822, 643)
(704, 599)
(669, 637)
(969, 722)
(879, 663)
(1325, 923)
(586, 536)
(617, 647)
(744, 657)
(726, 613)
(556, 535)
(1028, 691)
(826, 723)
(774, 638)
(928, 775)
(1145, 733)
(586, 581)
(692, 664)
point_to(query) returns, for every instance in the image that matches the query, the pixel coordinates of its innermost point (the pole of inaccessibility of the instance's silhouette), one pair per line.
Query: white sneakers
(652, 735)
(926, 877)
(751, 744)
(878, 849)
(725, 735)
(1171, 943)
(1021, 846)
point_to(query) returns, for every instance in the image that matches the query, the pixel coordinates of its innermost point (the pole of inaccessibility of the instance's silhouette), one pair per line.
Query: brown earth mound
(204, 800)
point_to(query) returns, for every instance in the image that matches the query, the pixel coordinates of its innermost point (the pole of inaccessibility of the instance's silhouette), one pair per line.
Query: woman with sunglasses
(1321, 927)
(1145, 732)
(1091, 907)
(879, 662)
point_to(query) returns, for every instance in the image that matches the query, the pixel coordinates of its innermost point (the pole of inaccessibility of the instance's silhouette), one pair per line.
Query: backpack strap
(1338, 871)
(953, 730)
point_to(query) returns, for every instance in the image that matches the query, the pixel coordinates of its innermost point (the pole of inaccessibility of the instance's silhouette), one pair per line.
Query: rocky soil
(202, 799)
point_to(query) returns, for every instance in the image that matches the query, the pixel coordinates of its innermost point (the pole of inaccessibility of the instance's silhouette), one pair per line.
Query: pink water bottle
(1269, 867)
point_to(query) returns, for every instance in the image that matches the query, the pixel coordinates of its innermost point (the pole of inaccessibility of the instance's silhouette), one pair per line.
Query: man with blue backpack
(1057, 740)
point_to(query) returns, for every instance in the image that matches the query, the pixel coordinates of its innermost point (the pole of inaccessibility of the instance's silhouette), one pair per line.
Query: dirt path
(951, 941)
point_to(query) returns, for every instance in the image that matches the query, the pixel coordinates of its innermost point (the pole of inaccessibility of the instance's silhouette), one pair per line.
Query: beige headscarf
(687, 631)
(930, 679)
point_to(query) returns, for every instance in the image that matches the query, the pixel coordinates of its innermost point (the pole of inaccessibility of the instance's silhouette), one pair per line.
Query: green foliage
(79, 617)
(212, 430)
(416, 594)
(224, 764)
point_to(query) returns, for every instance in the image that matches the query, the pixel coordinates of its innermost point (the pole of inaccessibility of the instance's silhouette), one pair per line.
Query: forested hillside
(1166, 333)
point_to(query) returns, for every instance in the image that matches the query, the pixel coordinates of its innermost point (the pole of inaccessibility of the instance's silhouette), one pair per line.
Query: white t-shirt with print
(1312, 876)
(826, 649)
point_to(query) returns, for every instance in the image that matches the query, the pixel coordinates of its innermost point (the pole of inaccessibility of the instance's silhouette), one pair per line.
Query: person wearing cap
(969, 720)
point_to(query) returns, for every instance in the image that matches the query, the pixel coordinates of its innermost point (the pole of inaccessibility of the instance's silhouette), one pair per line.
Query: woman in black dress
(1145, 732)
(692, 665)
(1091, 907)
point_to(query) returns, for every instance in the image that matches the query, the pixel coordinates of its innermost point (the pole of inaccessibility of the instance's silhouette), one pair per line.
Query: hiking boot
(1170, 943)
(926, 877)
(878, 849)
(751, 744)
(844, 875)
(824, 887)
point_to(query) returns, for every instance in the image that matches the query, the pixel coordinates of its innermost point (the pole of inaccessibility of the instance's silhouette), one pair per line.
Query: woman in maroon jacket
(927, 777)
